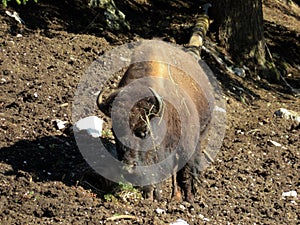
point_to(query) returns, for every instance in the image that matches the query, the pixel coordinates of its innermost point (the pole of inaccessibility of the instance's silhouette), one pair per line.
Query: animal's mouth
(130, 168)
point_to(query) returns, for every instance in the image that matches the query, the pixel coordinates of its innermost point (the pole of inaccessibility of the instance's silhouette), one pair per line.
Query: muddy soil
(45, 180)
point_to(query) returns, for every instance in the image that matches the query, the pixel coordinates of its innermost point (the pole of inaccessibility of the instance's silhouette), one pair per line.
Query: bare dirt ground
(45, 180)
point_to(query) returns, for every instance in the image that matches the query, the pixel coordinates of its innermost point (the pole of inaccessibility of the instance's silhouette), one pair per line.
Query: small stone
(179, 222)
(239, 71)
(160, 211)
(92, 124)
(274, 143)
(60, 124)
(294, 202)
(288, 115)
(182, 207)
(290, 194)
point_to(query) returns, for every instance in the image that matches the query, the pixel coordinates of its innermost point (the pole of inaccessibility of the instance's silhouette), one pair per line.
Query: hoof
(190, 198)
(177, 196)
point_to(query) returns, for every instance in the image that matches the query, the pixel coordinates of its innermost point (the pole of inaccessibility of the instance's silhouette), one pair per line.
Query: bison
(167, 124)
(163, 132)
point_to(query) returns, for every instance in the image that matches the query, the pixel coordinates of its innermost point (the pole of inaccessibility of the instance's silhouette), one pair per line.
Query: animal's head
(145, 123)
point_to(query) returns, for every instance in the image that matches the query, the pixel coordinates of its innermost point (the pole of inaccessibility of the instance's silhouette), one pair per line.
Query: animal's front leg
(185, 179)
(152, 192)
(189, 196)
(157, 191)
(148, 192)
(176, 194)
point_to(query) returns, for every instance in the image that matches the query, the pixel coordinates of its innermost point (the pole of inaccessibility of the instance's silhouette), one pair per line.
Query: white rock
(124, 59)
(206, 219)
(92, 124)
(97, 93)
(274, 143)
(182, 207)
(160, 211)
(239, 71)
(179, 222)
(16, 16)
(219, 109)
(60, 124)
(294, 202)
(289, 194)
(288, 114)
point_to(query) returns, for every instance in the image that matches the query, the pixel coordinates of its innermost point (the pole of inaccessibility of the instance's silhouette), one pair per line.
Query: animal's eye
(140, 134)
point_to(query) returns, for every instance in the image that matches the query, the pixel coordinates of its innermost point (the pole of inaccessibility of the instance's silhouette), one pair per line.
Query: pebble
(274, 143)
(60, 124)
(290, 194)
(288, 115)
(179, 222)
(92, 124)
(160, 211)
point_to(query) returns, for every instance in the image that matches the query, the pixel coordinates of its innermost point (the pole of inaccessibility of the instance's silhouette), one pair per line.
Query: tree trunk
(239, 25)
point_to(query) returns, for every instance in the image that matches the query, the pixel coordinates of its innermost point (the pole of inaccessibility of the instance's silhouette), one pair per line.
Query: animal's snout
(131, 167)
(141, 134)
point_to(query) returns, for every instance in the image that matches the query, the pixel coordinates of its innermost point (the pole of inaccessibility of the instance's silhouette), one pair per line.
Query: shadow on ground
(52, 158)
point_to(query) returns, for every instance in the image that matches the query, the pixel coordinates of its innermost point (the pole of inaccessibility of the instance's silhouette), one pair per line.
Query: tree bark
(239, 26)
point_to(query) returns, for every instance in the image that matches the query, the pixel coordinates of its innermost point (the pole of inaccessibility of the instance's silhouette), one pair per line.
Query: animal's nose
(130, 168)
(140, 134)
(134, 164)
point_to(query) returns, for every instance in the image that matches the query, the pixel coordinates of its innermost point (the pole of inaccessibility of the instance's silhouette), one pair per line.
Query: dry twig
(119, 217)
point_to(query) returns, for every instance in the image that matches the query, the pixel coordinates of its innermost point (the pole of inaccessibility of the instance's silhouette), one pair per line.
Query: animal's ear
(105, 105)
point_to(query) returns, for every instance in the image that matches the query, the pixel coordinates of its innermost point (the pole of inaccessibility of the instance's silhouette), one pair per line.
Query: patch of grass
(124, 192)
(110, 198)
(126, 187)
(107, 134)
(128, 193)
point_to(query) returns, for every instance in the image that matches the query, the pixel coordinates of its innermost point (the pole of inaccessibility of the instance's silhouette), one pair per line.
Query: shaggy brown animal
(154, 116)
(168, 124)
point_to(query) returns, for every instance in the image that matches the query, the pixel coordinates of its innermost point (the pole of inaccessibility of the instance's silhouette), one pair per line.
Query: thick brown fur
(182, 180)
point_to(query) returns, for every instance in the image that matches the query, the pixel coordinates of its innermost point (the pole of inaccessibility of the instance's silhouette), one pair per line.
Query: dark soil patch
(45, 180)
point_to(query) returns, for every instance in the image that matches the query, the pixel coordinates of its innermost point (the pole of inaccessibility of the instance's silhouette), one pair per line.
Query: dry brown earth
(44, 179)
